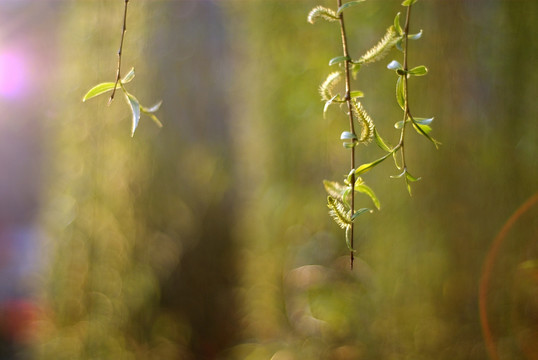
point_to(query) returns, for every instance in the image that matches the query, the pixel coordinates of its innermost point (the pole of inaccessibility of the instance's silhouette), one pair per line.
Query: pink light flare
(13, 74)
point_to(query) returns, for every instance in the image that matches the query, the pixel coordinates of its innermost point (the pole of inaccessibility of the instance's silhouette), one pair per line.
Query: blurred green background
(209, 238)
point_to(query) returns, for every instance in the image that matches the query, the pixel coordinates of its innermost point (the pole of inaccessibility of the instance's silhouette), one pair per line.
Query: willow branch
(118, 71)
(406, 96)
(347, 98)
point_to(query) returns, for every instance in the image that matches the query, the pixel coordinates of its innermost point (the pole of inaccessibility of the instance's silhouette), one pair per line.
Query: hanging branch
(118, 71)
(134, 104)
(347, 98)
(342, 200)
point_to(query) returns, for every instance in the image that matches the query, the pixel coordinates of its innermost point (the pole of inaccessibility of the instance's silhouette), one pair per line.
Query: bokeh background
(209, 238)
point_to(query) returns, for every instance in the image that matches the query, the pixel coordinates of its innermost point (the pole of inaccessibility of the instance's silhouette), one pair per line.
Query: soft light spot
(13, 74)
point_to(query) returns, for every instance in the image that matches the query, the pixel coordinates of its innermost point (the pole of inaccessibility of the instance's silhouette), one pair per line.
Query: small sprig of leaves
(133, 102)
(341, 199)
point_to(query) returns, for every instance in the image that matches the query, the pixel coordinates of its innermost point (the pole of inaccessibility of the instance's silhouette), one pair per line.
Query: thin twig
(118, 71)
(406, 96)
(351, 122)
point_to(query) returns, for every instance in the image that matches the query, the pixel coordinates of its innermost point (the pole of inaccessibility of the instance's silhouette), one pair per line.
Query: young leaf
(348, 238)
(328, 103)
(410, 177)
(367, 167)
(419, 70)
(415, 36)
(400, 97)
(339, 59)
(135, 108)
(346, 135)
(397, 26)
(348, 4)
(365, 189)
(394, 65)
(423, 121)
(359, 212)
(424, 128)
(409, 2)
(422, 131)
(380, 142)
(399, 124)
(99, 89)
(152, 109)
(130, 76)
(356, 94)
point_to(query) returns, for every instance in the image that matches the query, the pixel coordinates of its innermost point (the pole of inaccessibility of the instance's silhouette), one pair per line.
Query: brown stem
(118, 71)
(351, 121)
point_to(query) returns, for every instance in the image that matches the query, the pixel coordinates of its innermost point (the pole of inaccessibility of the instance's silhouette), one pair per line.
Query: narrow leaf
(152, 109)
(421, 131)
(415, 36)
(367, 167)
(339, 59)
(409, 2)
(365, 189)
(328, 103)
(397, 26)
(419, 70)
(360, 212)
(98, 90)
(400, 97)
(399, 124)
(356, 94)
(423, 121)
(347, 5)
(380, 142)
(346, 135)
(399, 175)
(135, 108)
(394, 65)
(348, 238)
(425, 128)
(130, 75)
(411, 177)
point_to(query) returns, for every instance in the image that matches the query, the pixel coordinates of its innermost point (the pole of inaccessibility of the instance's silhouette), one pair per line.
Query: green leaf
(350, 145)
(130, 75)
(415, 36)
(348, 4)
(356, 94)
(419, 70)
(328, 103)
(425, 128)
(346, 135)
(338, 59)
(360, 212)
(397, 26)
(394, 65)
(135, 108)
(152, 109)
(409, 2)
(379, 141)
(400, 97)
(155, 119)
(348, 238)
(399, 124)
(365, 189)
(410, 177)
(399, 45)
(399, 175)
(420, 130)
(99, 89)
(423, 121)
(367, 167)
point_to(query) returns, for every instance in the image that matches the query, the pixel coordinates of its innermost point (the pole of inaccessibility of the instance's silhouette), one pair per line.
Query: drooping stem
(404, 79)
(351, 121)
(118, 71)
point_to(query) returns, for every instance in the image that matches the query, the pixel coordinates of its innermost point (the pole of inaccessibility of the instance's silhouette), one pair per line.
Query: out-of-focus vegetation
(209, 238)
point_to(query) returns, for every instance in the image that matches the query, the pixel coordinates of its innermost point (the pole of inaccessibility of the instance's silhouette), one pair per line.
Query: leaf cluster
(134, 104)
